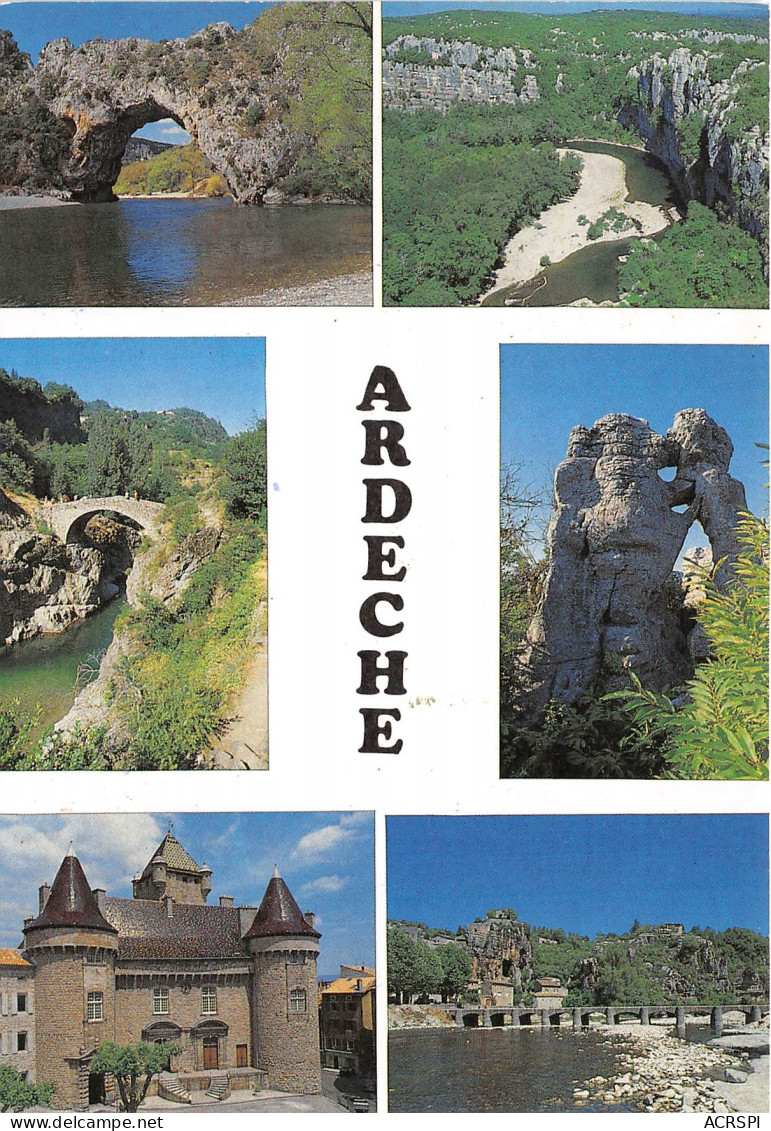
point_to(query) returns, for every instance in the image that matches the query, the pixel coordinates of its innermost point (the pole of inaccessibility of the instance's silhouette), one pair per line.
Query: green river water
(592, 272)
(43, 673)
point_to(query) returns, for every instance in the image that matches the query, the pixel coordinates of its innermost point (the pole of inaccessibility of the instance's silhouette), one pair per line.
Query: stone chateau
(234, 986)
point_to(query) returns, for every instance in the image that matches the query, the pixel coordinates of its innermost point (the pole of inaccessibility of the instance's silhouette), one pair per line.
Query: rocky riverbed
(666, 1074)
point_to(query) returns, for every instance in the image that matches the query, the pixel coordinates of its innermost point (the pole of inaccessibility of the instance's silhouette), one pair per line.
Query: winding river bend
(175, 252)
(592, 271)
(43, 673)
(495, 1070)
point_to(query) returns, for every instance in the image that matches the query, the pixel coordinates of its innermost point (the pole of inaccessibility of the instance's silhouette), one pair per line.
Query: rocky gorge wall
(731, 166)
(675, 96)
(45, 585)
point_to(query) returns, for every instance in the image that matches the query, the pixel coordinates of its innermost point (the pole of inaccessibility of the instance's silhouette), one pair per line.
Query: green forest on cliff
(581, 64)
(185, 646)
(647, 965)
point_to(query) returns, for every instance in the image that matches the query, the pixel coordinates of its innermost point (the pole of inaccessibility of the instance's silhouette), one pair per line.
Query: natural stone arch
(106, 90)
(616, 532)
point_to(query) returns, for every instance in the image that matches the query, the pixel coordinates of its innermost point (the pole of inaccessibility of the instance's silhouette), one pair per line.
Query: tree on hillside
(133, 1067)
(246, 462)
(16, 1094)
(456, 968)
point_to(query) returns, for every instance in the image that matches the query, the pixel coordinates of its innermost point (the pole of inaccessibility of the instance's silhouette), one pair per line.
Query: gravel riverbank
(346, 290)
(662, 1073)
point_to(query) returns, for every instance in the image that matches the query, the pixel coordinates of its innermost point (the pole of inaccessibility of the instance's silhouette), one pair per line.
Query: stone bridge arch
(232, 107)
(66, 519)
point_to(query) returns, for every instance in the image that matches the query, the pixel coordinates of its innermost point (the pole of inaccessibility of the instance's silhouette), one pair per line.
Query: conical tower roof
(172, 852)
(71, 902)
(278, 914)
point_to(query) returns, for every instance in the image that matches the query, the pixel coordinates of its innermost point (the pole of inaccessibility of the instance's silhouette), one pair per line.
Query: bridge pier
(577, 1019)
(610, 1016)
(680, 1020)
(754, 1014)
(716, 1020)
(545, 1019)
(515, 1017)
(487, 1020)
(645, 1015)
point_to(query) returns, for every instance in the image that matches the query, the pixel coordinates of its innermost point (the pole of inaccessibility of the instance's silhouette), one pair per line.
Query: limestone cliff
(426, 73)
(23, 401)
(676, 95)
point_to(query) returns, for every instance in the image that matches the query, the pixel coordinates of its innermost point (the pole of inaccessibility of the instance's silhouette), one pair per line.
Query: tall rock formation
(614, 537)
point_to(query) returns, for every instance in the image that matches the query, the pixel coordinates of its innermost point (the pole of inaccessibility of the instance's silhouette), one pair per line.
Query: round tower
(73, 948)
(285, 1026)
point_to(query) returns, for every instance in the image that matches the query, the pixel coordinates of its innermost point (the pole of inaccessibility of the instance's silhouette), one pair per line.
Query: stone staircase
(219, 1087)
(170, 1088)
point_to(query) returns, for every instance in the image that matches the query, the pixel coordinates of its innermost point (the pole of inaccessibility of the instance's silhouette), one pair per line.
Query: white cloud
(325, 883)
(110, 848)
(322, 841)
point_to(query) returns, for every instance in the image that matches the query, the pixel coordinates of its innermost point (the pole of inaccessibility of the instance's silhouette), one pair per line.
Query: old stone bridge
(496, 1016)
(67, 520)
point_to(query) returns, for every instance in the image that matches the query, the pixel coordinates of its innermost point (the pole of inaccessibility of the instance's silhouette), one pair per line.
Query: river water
(43, 672)
(496, 1070)
(175, 252)
(592, 272)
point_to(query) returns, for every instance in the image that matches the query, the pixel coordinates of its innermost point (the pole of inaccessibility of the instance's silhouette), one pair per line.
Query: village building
(347, 1021)
(17, 1013)
(235, 987)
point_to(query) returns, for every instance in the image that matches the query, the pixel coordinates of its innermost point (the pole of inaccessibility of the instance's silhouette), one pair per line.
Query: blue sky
(223, 377)
(327, 860)
(714, 9)
(547, 389)
(589, 875)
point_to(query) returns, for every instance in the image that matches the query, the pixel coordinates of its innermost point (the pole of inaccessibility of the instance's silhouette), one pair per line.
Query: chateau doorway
(211, 1052)
(96, 1089)
(242, 1056)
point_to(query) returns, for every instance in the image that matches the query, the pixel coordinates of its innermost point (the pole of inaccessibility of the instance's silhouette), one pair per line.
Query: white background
(318, 363)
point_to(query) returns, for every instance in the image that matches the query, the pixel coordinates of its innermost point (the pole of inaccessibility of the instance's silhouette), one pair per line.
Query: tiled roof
(349, 986)
(10, 957)
(278, 914)
(175, 855)
(71, 902)
(193, 931)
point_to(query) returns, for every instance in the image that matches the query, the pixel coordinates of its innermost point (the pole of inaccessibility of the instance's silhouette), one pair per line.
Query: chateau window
(95, 1007)
(21, 1042)
(21, 1003)
(298, 1001)
(209, 999)
(161, 999)
(93, 956)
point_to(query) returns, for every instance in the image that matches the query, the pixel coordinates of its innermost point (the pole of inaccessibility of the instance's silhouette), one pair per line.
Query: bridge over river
(67, 520)
(496, 1016)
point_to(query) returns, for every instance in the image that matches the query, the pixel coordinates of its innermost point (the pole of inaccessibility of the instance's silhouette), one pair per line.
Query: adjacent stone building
(234, 986)
(17, 1013)
(347, 1021)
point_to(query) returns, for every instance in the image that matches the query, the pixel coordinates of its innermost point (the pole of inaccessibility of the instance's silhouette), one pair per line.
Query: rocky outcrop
(44, 585)
(165, 583)
(107, 90)
(615, 535)
(240, 94)
(500, 952)
(23, 401)
(731, 166)
(425, 73)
